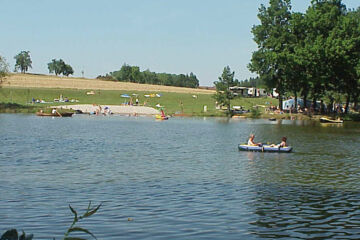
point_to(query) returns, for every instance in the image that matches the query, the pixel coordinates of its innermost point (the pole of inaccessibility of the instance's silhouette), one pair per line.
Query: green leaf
(89, 206)
(79, 229)
(89, 213)
(10, 235)
(74, 212)
(24, 237)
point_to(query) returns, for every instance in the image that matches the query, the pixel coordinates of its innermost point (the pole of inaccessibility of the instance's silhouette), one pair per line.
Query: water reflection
(250, 156)
(338, 125)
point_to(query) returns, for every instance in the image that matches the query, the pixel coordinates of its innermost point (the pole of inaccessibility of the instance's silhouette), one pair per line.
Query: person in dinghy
(251, 141)
(280, 145)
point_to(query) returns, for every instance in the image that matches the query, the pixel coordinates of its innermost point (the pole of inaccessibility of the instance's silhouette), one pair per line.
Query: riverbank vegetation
(314, 55)
(6, 107)
(223, 94)
(19, 100)
(173, 103)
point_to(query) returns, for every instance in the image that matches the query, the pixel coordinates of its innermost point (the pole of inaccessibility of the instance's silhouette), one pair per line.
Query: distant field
(50, 81)
(189, 103)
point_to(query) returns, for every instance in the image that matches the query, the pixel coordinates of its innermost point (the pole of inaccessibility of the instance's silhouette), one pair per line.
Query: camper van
(274, 93)
(256, 92)
(252, 92)
(239, 91)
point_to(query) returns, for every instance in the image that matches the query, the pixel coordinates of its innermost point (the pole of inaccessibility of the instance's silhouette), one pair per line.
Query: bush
(106, 78)
(255, 113)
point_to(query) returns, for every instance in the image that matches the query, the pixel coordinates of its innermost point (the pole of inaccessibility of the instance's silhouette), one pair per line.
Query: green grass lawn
(172, 102)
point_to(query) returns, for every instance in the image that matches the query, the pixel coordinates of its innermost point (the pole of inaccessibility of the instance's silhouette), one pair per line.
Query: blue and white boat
(264, 148)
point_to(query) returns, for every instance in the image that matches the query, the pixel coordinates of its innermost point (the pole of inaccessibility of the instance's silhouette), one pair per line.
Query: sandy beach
(116, 109)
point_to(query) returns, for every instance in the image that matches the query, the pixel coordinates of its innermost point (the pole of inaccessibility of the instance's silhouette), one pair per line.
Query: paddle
(58, 113)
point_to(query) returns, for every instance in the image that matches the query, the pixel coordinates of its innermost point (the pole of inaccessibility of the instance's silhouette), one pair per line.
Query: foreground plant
(13, 234)
(90, 211)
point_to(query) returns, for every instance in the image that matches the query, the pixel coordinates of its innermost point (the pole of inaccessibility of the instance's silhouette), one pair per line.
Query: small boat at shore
(328, 120)
(264, 148)
(65, 114)
(162, 116)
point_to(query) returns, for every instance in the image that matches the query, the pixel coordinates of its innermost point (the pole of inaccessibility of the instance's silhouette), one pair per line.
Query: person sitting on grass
(251, 141)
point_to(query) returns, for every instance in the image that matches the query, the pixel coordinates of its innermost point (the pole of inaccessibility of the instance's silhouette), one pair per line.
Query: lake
(179, 179)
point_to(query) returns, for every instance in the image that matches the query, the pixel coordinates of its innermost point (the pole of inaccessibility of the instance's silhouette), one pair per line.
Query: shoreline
(116, 109)
(149, 111)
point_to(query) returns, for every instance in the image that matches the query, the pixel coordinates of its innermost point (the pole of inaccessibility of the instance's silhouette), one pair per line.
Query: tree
(297, 81)
(272, 37)
(23, 61)
(135, 75)
(223, 94)
(321, 18)
(315, 54)
(193, 81)
(67, 70)
(129, 73)
(343, 51)
(55, 66)
(4, 68)
(60, 67)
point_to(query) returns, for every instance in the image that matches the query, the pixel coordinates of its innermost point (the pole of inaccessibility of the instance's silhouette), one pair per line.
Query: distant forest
(133, 74)
(251, 82)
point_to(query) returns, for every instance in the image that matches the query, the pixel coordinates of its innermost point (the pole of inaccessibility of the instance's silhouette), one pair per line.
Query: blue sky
(173, 36)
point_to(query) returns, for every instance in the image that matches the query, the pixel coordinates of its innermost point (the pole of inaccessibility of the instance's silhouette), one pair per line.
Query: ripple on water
(181, 179)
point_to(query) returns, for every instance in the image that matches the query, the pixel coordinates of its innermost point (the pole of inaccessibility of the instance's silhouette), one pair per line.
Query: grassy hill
(187, 103)
(50, 81)
(22, 88)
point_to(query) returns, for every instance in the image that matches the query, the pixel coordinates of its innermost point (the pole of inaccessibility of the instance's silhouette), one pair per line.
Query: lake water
(179, 179)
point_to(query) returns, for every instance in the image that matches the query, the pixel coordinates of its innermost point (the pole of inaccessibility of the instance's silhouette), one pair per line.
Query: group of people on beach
(100, 111)
(252, 143)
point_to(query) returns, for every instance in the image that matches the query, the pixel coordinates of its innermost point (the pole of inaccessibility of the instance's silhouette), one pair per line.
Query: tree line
(23, 63)
(127, 73)
(314, 55)
(133, 74)
(251, 82)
